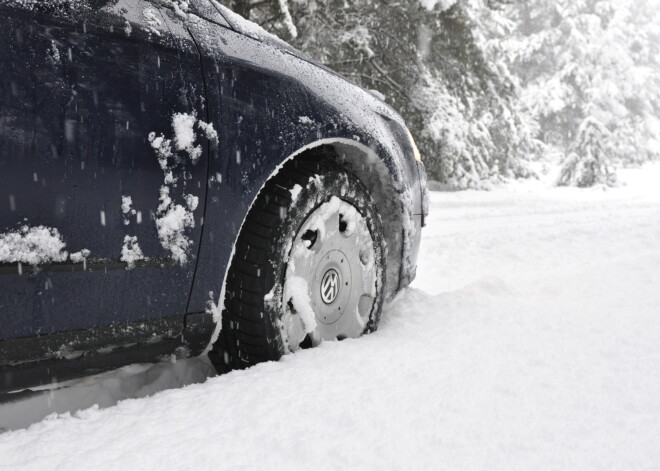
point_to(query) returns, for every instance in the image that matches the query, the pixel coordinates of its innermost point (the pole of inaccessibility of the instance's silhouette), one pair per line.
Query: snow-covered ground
(530, 340)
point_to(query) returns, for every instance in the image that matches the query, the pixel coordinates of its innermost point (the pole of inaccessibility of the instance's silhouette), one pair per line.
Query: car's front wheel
(309, 266)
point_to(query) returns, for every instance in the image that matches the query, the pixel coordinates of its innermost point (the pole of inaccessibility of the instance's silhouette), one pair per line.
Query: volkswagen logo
(330, 286)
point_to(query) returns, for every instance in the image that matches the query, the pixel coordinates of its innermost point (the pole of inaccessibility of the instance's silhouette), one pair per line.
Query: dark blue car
(176, 181)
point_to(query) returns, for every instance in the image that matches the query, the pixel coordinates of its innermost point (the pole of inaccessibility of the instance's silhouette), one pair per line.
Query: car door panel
(82, 94)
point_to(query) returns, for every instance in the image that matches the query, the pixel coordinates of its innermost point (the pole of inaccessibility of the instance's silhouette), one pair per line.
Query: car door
(103, 168)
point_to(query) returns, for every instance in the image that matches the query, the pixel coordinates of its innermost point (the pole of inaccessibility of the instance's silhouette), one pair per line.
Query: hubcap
(330, 281)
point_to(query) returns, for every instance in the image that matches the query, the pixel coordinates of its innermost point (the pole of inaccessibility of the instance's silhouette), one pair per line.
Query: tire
(289, 246)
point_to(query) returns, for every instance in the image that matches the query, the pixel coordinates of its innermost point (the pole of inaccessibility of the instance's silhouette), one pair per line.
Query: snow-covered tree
(588, 161)
(582, 62)
(273, 15)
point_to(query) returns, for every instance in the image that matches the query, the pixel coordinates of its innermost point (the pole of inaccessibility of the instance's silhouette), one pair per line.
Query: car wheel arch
(382, 173)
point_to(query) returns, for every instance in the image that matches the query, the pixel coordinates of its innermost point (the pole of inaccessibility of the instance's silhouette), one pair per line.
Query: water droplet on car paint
(69, 127)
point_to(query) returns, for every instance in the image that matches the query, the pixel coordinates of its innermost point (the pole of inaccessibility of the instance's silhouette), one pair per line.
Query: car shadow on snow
(104, 390)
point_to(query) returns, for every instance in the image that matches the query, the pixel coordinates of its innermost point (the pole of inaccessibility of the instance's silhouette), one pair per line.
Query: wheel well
(383, 183)
(373, 172)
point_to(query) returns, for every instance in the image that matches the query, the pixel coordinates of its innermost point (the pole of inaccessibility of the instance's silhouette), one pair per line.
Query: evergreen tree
(588, 161)
(582, 62)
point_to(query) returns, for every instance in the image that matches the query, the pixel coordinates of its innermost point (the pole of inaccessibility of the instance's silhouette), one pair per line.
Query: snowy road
(530, 340)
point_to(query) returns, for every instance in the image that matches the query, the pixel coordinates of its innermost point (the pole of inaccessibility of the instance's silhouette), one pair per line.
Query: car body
(93, 96)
